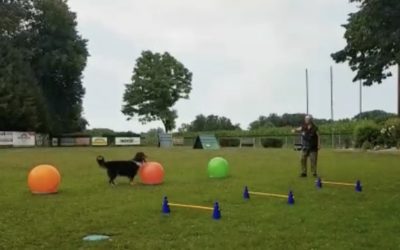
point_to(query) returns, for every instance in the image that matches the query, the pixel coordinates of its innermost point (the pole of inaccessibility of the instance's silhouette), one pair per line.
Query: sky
(248, 58)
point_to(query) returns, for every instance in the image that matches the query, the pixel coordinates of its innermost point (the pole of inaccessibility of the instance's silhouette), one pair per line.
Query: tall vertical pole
(307, 92)
(361, 84)
(333, 129)
(331, 70)
(398, 90)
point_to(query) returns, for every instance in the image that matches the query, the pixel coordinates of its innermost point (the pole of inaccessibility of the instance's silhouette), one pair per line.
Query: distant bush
(347, 142)
(390, 133)
(229, 142)
(366, 146)
(272, 142)
(366, 131)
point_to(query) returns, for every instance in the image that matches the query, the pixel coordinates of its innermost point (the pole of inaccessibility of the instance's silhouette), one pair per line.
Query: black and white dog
(122, 168)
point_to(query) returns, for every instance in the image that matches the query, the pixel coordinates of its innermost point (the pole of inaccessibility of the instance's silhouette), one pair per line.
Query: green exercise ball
(218, 167)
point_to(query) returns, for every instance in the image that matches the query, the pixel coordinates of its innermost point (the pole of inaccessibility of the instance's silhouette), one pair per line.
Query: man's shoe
(303, 175)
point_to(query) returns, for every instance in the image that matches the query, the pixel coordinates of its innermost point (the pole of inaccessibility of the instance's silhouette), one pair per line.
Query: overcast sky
(248, 57)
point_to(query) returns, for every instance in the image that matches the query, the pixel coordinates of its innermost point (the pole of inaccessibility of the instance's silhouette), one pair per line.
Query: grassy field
(330, 218)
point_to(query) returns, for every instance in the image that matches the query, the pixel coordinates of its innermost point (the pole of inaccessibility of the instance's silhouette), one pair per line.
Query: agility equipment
(44, 179)
(152, 173)
(206, 142)
(357, 186)
(218, 167)
(289, 197)
(166, 208)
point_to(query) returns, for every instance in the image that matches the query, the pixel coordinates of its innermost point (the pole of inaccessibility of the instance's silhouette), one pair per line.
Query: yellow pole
(269, 194)
(338, 183)
(190, 206)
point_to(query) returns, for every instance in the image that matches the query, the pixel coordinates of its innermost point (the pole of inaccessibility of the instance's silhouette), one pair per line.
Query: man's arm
(297, 130)
(319, 140)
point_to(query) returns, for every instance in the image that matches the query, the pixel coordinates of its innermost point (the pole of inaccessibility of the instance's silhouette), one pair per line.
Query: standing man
(310, 145)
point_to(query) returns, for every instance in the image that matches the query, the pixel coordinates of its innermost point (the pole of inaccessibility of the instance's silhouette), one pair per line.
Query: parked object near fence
(165, 140)
(178, 141)
(6, 138)
(206, 142)
(127, 141)
(42, 140)
(99, 141)
(67, 142)
(24, 139)
(248, 142)
(82, 141)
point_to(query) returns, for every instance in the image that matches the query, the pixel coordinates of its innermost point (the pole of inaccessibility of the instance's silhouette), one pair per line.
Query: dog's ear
(100, 158)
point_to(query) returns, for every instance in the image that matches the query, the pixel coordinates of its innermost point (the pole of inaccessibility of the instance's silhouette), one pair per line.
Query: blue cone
(319, 183)
(246, 194)
(358, 186)
(290, 198)
(216, 212)
(165, 207)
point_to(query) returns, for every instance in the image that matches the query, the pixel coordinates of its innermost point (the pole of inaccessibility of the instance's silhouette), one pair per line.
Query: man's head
(308, 119)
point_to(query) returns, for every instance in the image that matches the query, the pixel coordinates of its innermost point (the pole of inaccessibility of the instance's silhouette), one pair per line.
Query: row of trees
(42, 57)
(220, 123)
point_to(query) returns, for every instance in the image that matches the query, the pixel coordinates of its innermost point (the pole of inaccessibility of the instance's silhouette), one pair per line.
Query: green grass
(331, 218)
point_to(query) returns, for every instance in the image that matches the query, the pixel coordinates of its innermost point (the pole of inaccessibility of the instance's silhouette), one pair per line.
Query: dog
(122, 168)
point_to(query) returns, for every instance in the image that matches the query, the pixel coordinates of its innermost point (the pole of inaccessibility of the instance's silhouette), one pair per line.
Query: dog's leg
(112, 183)
(131, 181)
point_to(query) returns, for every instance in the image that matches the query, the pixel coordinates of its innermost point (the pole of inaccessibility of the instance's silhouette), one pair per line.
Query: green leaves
(42, 58)
(210, 123)
(373, 40)
(158, 82)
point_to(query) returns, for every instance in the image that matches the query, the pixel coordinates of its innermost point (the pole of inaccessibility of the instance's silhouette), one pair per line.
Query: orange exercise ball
(152, 173)
(44, 179)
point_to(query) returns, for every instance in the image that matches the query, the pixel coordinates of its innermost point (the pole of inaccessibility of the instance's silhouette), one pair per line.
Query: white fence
(17, 139)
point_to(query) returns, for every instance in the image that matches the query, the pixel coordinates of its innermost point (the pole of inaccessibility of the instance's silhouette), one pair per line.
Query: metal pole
(333, 129)
(307, 92)
(331, 93)
(360, 96)
(398, 90)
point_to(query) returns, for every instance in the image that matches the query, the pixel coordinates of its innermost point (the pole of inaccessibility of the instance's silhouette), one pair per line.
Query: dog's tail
(100, 160)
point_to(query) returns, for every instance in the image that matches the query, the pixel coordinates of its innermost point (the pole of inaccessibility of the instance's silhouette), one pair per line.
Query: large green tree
(59, 58)
(373, 41)
(21, 103)
(42, 58)
(209, 123)
(158, 82)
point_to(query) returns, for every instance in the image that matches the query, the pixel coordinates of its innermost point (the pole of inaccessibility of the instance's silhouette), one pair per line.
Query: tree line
(42, 57)
(210, 123)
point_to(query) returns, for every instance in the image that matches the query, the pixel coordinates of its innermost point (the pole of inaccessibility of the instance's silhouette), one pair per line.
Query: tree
(41, 62)
(21, 103)
(209, 123)
(59, 59)
(373, 41)
(374, 115)
(158, 82)
(261, 122)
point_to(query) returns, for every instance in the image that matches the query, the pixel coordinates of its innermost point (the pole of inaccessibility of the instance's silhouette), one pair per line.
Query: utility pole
(331, 70)
(333, 129)
(398, 90)
(307, 92)
(361, 85)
